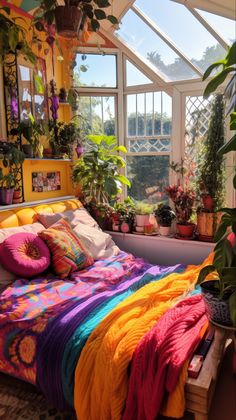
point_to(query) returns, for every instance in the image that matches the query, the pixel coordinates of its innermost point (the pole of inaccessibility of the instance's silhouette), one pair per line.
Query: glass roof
(150, 46)
(173, 39)
(134, 76)
(225, 27)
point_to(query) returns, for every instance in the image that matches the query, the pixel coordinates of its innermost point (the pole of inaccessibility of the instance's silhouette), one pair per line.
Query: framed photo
(46, 181)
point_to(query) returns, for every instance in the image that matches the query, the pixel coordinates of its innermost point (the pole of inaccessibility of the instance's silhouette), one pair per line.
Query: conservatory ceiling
(175, 40)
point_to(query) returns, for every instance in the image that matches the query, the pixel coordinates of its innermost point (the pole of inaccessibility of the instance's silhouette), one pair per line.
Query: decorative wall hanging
(46, 181)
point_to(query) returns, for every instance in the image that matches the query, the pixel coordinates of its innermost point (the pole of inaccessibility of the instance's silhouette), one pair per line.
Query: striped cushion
(68, 253)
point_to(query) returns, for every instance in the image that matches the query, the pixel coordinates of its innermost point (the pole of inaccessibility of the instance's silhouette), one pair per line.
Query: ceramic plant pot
(142, 219)
(6, 196)
(217, 308)
(17, 197)
(164, 230)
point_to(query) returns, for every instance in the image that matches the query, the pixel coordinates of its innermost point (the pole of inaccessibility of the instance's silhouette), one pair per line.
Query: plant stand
(199, 392)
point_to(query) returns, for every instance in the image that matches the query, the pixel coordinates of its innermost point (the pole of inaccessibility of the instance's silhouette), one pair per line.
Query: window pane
(134, 76)
(150, 145)
(98, 114)
(166, 114)
(141, 113)
(131, 114)
(142, 39)
(183, 28)
(225, 27)
(95, 70)
(149, 176)
(158, 111)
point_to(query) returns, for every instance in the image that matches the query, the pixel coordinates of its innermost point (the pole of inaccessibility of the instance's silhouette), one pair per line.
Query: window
(225, 27)
(148, 140)
(98, 114)
(95, 70)
(134, 77)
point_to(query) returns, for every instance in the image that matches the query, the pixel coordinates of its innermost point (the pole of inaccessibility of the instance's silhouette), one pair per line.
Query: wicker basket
(68, 20)
(217, 308)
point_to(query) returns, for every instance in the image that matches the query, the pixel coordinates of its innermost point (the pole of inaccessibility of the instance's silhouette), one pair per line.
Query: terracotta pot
(68, 20)
(217, 307)
(6, 196)
(186, 231)
(79, 150)
(207, 201)
(47, 152)
(207, 225)
(17, 197)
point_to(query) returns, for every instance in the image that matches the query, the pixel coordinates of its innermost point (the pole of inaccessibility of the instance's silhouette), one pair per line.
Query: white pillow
(73, 216)
(5, 276)
(99, 244)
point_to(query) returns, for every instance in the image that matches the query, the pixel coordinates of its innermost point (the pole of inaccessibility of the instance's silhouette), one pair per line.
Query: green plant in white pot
(220, 294)
(142, 215)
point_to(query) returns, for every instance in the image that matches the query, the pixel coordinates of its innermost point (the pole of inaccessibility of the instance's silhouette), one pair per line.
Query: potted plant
(12, 159)
(183, 199)
(211, 188)
(32, 132)
(123, 216)
(64, 136)
(142, 215)
(62, 95)
(7, 184)
(220, 293)
(97, 171)
(13, 37)
(71, 17)
(164, 215)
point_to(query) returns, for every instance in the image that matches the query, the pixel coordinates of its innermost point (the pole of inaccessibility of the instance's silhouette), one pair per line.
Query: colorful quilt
(53, 332)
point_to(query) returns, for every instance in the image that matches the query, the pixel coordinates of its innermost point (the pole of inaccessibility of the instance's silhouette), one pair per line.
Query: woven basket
(217, 308)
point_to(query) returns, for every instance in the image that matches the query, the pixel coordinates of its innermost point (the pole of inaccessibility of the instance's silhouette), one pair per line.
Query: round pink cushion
(24, 254)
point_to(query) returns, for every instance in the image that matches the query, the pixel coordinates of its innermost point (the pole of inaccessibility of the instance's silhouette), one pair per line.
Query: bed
(112, 341)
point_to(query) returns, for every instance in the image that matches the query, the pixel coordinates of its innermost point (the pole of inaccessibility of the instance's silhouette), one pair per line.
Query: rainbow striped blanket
(47, 324)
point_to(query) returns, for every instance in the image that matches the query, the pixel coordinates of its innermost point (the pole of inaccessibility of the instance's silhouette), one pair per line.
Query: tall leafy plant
(212, 162)
(98, 170)
(224, 261)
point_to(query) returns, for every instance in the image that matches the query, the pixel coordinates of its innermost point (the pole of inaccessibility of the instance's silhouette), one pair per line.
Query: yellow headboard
(27, 215)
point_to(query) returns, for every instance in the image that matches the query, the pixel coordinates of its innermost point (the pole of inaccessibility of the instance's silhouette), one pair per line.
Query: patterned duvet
(46, 324)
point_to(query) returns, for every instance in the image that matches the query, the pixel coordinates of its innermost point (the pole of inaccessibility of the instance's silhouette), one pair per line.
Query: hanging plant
(70, 18)
(13, 37)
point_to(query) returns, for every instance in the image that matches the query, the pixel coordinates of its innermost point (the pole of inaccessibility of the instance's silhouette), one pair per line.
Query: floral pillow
(67, 252)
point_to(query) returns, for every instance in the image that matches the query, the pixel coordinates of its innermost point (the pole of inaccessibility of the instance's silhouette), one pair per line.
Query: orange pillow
(68, 253)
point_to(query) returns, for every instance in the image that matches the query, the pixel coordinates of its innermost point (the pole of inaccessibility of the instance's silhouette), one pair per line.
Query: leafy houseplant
(71, 17)
(164, 215)
(12, 159)
(212, 162)
(32, 131)
(223, 289)
(142, 215)
(13, 37)
(123, 215)
(97, 171)
(67, 135)
(183, 199)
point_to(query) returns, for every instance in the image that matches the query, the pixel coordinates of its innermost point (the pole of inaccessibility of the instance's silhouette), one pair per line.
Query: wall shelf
(38, 202)
(50, 159)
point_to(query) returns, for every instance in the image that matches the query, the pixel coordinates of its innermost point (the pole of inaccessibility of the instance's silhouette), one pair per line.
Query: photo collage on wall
(46, 181)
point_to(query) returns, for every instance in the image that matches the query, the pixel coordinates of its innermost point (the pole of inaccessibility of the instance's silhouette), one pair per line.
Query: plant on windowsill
(211, 188)
(165, 216)
(143, 212)
(123, 215)
(97, 171)
(183, 199)
(220, 294)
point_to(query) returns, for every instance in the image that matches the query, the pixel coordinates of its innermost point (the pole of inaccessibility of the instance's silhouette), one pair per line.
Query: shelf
(50, 159)
(38, 202)
(64, 103)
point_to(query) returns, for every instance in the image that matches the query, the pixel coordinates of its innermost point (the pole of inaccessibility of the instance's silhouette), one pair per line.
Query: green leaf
(123, 180)
(120, 149)
(232, 307)
(100, 14)
(231, 56)
(13, 37)
(112, 19)
(102, 3)
(224, 254)
(212, 67)
(95, 25)
(228, 147)
(233, 121)
(221, 230)
(204, 273)
(217, 81)
(229, 275)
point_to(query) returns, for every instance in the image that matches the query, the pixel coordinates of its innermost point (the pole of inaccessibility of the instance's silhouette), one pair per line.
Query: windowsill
(161, 238)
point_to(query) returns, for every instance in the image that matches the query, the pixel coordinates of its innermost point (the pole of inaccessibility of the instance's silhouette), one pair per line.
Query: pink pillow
(24, 254)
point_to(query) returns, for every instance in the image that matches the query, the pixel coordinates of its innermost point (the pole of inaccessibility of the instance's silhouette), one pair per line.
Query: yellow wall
(64, 167)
